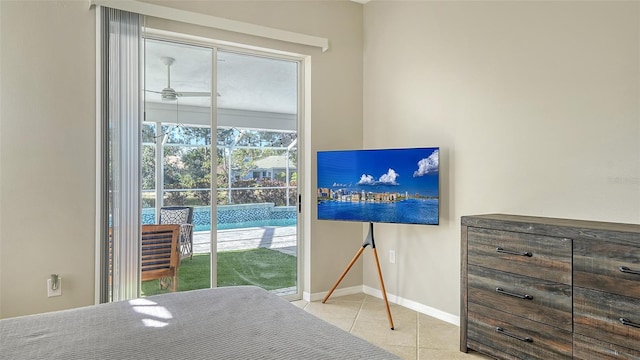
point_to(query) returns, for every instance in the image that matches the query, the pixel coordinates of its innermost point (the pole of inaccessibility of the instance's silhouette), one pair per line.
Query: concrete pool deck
(281, 238)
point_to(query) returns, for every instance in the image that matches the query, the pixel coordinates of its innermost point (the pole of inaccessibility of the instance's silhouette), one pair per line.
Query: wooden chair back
(160, 253)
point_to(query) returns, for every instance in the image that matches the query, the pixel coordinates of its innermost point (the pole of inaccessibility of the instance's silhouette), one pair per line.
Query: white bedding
(223, 323)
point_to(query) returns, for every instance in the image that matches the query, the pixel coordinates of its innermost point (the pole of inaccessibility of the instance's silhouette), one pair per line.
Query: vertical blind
(121, 114)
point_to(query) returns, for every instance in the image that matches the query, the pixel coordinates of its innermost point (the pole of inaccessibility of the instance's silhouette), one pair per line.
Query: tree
(148, 167)
(197, 172)
(189, 167)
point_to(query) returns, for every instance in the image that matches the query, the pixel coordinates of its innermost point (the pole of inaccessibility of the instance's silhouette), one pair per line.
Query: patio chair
(160, 255)
(183, 216)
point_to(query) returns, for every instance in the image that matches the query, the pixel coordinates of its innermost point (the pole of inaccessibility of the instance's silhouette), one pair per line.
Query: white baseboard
(337, 292)
(409, 304)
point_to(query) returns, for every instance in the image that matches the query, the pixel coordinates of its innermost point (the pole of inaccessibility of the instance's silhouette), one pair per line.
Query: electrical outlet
(57, 292)
(392, 256)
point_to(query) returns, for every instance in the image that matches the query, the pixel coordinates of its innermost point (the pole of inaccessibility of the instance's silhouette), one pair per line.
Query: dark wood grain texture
(494, 353)
(564, 287)
(463, 290)
(543, 257)
(567, 228)
(549, 303)
(597, 314)
(544, 342)
(586, 348)
(596, 265)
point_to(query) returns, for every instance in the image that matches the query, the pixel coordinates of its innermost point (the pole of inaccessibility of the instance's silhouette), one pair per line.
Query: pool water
(236, 216)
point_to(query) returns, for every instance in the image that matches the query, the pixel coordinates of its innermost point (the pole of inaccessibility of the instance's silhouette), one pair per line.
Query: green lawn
(268, 269)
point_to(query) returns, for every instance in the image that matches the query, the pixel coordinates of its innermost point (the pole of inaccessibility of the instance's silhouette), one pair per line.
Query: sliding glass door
(251, 238)
(176, 154)
(256, 152)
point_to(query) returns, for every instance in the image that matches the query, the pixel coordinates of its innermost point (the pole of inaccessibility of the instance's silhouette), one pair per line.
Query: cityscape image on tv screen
(383, 185)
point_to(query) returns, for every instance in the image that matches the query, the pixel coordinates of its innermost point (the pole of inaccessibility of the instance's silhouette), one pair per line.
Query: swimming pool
(236, 216)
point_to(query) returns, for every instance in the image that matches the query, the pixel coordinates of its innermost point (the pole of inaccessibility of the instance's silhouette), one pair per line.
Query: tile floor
(416, 336)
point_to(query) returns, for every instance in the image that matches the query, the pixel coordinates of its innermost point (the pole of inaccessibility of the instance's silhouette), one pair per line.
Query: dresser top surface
(552, 226)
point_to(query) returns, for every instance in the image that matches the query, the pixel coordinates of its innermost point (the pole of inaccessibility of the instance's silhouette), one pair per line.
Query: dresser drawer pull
(524, 297)
(525, 339)
(629, 323)
(626, 270)
(511, 252)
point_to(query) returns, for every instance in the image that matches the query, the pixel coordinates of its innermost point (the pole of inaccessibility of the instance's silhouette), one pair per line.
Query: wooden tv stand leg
(369, 241)
(384, 291)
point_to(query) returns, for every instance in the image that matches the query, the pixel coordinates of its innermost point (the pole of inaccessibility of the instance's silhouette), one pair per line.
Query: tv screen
(383, 185)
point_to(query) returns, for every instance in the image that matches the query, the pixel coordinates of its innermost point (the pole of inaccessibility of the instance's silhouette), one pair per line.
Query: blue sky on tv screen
(413, 170)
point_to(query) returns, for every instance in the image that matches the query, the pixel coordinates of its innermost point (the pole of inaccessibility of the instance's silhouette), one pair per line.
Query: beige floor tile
(353, 297)
(378, 332)
(300, 303)
(437, 335)
(400, 323)
(401, 316)
(403, 352)
(416, 336)
(335, 309)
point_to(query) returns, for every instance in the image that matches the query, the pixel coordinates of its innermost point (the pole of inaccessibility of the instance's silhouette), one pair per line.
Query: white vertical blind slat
(124, 142)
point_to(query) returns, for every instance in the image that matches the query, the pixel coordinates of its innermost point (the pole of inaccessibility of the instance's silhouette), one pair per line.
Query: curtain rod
(215, 22)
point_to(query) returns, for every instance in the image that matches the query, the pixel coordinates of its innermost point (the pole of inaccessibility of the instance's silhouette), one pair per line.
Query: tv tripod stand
(368, 241)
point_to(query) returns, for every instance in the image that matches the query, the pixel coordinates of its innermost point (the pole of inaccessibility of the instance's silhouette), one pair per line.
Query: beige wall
(47, 143)
(47, 164)
(535, 106)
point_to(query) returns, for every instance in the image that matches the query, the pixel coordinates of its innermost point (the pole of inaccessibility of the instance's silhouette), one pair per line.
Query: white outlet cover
(56, 292)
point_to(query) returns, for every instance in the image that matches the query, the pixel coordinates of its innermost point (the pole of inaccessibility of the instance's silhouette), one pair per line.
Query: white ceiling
(245, 82)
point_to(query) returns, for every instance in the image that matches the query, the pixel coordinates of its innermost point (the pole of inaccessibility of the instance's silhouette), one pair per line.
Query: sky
(394, 170)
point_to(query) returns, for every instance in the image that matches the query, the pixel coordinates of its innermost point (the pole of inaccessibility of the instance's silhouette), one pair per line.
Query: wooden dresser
(544, 288)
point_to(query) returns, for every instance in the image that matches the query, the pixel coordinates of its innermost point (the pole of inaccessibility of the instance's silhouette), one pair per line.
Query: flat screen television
(382, 185)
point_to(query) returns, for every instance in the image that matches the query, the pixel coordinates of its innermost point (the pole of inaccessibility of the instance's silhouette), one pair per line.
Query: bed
(225, 323)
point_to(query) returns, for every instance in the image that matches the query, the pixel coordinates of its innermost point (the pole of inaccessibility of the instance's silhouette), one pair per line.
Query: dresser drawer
(535, 299)
(607, 266)
(585, 348)
(540, 256)
(515, 336)
(609, 317)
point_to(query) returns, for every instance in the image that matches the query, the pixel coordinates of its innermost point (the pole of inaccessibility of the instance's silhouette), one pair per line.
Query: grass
(266, 268)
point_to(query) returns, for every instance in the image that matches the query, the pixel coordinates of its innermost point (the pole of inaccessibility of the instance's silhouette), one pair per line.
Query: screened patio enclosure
(253, 167)
(250, 184)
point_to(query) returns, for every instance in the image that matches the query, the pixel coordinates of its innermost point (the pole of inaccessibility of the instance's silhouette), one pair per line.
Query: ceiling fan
(168, 93)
